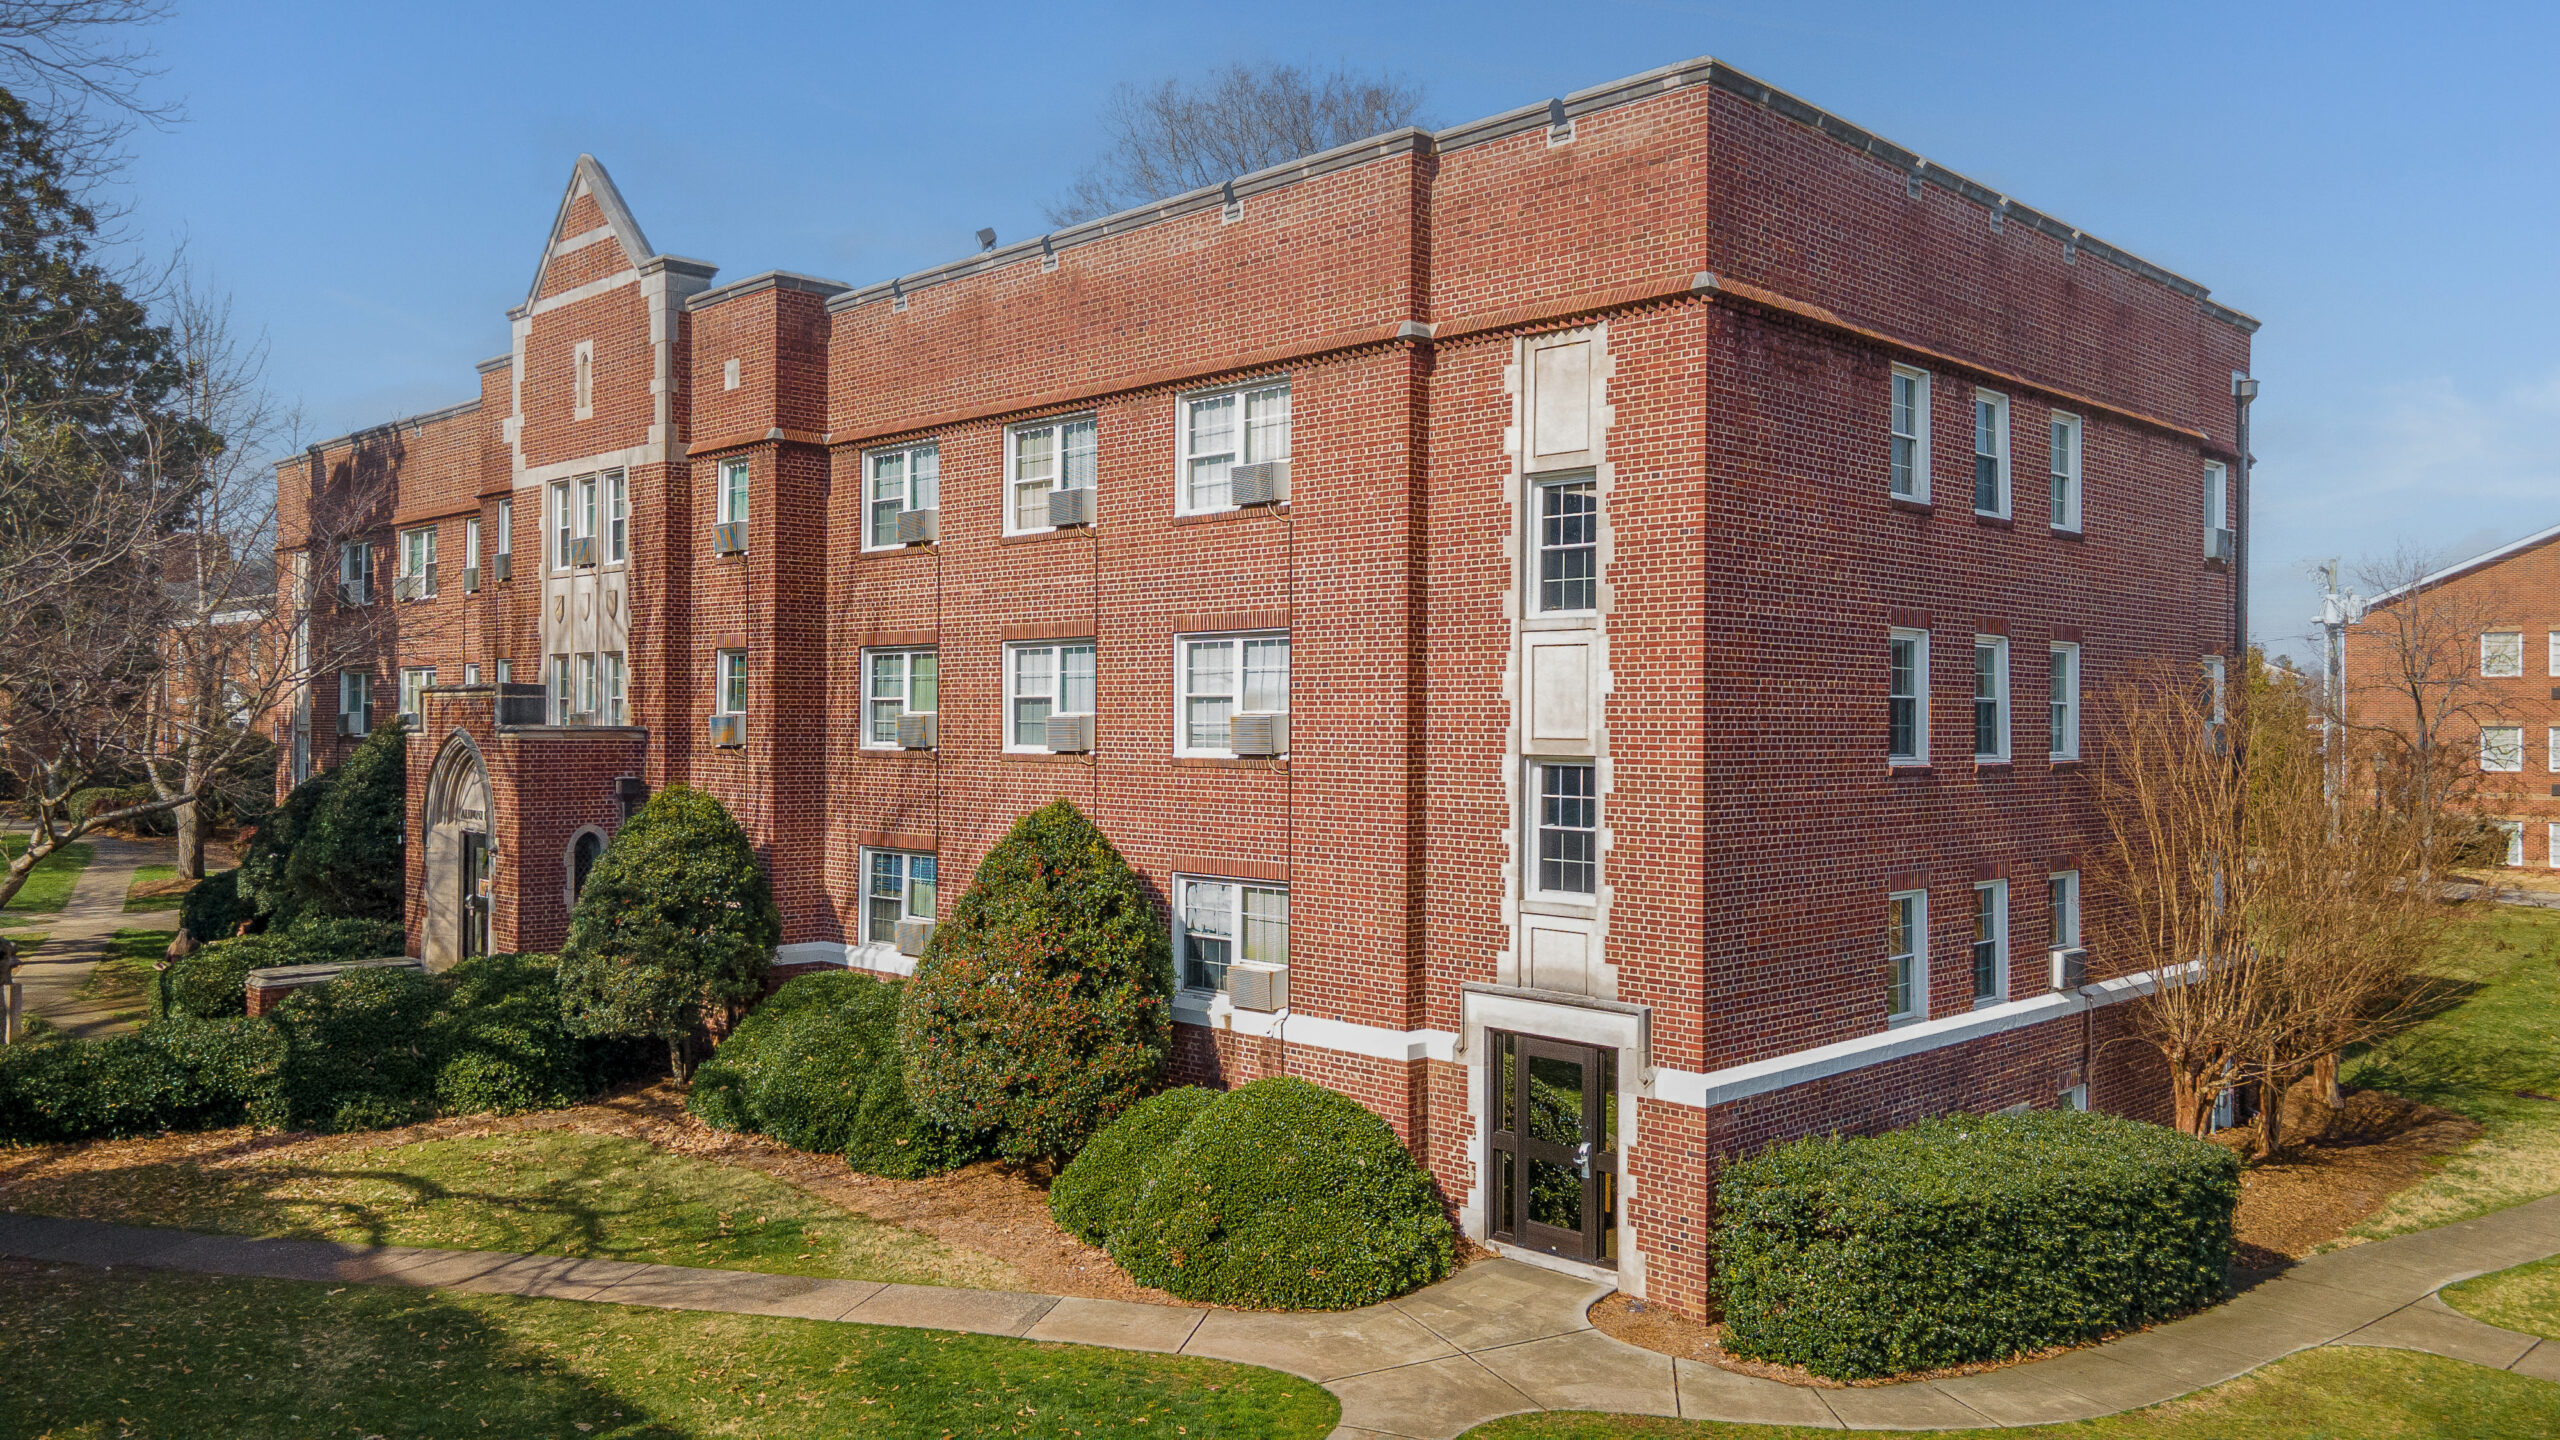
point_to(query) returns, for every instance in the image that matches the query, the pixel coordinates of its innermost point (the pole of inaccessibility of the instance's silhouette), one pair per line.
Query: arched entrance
(461, 855)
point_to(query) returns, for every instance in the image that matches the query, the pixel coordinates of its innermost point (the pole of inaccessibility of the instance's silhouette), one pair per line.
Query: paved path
(76, 936)
(1499, 1338)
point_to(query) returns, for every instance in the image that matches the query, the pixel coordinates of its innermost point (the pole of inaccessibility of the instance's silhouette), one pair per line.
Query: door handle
(1582, 1159)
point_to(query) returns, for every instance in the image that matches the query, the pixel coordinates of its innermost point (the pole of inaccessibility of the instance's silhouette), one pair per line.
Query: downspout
(2244, 389)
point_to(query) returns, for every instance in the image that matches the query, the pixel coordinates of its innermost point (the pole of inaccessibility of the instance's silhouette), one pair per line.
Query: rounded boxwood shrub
(346, 858)
(676, 921)
(357, 1053)
(1043, 1007)
(1092, 1197)
(212, 981)
(817, 1067)
(1285, 1195)
(1968, 1237)
(499, 1042)
(171, 1075)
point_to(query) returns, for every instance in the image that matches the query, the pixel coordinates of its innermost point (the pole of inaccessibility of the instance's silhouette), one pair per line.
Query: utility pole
(2337, 612)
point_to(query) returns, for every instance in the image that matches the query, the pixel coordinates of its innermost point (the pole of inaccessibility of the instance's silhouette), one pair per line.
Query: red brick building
(1599, 594)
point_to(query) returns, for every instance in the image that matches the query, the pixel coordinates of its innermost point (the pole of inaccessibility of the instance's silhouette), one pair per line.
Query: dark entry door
(475, 895)
(1552, 1146)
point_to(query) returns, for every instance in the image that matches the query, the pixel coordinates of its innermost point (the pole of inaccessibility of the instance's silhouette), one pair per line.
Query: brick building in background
(1600, 595)
(2480, 640)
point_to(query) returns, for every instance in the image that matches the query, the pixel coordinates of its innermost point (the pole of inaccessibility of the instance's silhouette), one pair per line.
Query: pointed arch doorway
(461, 856)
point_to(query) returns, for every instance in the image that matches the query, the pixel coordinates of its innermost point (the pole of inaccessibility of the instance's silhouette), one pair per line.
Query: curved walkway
(76, 937)
(1498, 1338)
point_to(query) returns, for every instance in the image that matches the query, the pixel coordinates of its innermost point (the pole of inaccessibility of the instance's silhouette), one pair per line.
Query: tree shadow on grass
(131, 1352)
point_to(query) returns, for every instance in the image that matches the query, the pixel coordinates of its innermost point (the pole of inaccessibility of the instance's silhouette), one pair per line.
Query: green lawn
(121, 980)
(98, 1353)
(48, 886)
(544, 1192)
(2480, 1058)
(2525, 1299)
(2327, 1394)
(144, 878)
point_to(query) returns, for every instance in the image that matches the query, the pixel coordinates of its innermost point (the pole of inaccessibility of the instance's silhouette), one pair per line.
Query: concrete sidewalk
(1498, 1338)
(76, 937)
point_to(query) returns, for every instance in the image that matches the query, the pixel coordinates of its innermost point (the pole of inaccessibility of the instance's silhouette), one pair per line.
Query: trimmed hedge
(357, 1054)
(214, 908)
(818, 1068)
(1093, 1197)
(171, 1075)
(1968, 1238)
(1043, 1006)
(500, 1045)
(1285, 1195)
(211, 983)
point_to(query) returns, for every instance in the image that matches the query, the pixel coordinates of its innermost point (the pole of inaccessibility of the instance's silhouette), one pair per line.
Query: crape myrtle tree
(1043, 1007)
(676, 924)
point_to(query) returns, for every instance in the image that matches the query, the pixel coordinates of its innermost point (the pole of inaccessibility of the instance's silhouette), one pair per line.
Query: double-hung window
(1906, 957)
(355, 700)
(1053, 455)
(1218, 922)
(2514, 831)
(2502, 654)
(730, 682)
(2062, 704)
(1990, 453)
(1221, 431)
(2217, 505)
(2554, 740)
(2063, 888)
(418, 561)
(617, 683)
(1218, 676)
(2064, 466)
(587, 514)
(562, 521)
(896, 683)
(2502, 748)
(2552, 661)
(617, 516)
(897, 885)
(355, 573)
(1990, 697)
(413, 693)
(1568, 827)
(1906, 706)
(563, 702)
(471, 548)
(734, 476)
(909, 478)
(1568, 546)
(1910, 474)
(1041, 680)
(1990, 942)
(590, 696)
(507, 527)
(2551, 844)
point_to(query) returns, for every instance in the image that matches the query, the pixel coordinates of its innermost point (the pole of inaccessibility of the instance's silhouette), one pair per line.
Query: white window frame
(2515, 841)
(617, 689)
(556, 685)
(1058, 653)
(502, 672)
(1542, 492)
(617, 517)
(471, 542)
(1999, 696)
(2073, 1097)
(1534, 791)
(2501, 662)
(729, 680)
(1017, 484)
(507, 526)
(737, 479)
(414, 680)
(590, 686)
(2552, 639)
(1251, 444)
(2063, 470)
(355, 697)
(1998, 890)
(589, 488)
(1920, 697)
(906, 656)
(561, 520)
(1999, 405)
(2551, 844)
(1915, 985)
(2217, 501)
(2503, 756)
(2062, 701)
(1917, 436)
(1242, 945)
(2062, 892)
(911, 906)
(907, 456)
(470, 673)
(1235, 645)
(2554, 762)
(418, 557)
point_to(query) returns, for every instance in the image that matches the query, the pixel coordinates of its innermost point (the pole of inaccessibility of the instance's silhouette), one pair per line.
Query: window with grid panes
(1568, 546)
(2064, 466)
(897, 682)
(1041, 681)
(731, 674)
(2062, 703)
(1221, 675)
(1568, 828)
(1907, 696)
(1223, 921)
(1059, 455)
(1990, 941)
(899, 481)
(1910, 465)
(1906, 939)
(898, 885)
(1231, 428)
(617, 516)
(1990, 698)
(733, 491)
(1990, 453)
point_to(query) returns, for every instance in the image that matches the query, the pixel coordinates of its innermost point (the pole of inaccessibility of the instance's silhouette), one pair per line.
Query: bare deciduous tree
(2415, 700)
(2276, 933)
(1175, 135)
(81, 66)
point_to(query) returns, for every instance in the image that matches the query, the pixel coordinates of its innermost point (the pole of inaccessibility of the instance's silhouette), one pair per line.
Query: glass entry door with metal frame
(475, 895)
(1551, 1146)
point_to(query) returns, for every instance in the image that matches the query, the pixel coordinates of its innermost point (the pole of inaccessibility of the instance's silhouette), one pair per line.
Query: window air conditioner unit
(1259, 987)
(2070, 967)
(919, 730)
(728, 732)
(585, 717)
(408, 588)
(470, 579)
(582, 551)
(351, 722)
(1259, 732)
(506, 567)
(354, 592)
(522, 704)
(1071, 507)
(1264, 483)
(1070, 734)
(2224, 542)
(919, 527)
(729, 537)
(913, 936)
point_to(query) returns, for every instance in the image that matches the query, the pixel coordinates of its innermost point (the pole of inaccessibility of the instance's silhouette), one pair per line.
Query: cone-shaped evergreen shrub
(347, 860)
(817, 1067)
(1093, 1196)
(1043, 1008)
(214, 909)
(1287, 1196)
(263, 891)
(677, 921)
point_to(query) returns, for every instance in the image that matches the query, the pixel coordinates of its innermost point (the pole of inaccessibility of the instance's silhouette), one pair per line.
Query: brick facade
(1693, 295)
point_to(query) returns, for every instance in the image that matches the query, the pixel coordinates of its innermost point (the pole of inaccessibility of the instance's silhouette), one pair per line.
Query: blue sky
(371, 182)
